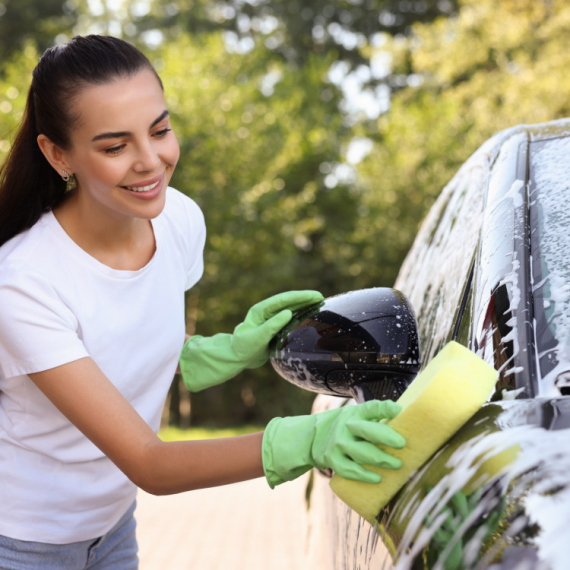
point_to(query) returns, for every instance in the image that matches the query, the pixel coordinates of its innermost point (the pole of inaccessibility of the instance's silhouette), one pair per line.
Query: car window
(549, 176)
(435, 273)
(496, 338)
(501, 330)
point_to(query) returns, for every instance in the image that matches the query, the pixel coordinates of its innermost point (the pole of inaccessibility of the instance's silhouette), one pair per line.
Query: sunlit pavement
(246, 526)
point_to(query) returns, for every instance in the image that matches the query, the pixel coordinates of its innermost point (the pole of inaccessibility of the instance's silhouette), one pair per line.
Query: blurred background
(314, 134)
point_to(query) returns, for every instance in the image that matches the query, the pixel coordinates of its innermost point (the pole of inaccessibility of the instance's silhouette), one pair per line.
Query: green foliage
(40, 21)
(498, 63)
(294, 30)
(15, 78)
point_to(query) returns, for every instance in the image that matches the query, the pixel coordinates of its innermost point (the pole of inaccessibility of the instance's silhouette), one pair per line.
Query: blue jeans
(116, 550)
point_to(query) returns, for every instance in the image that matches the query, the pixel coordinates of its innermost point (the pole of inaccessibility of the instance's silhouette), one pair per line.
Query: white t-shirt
(59, 304)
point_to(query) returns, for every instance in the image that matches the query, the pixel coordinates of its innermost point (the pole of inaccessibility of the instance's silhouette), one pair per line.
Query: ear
(54, 155)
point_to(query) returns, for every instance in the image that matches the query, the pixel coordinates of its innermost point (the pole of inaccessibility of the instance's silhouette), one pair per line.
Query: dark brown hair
(29, 186)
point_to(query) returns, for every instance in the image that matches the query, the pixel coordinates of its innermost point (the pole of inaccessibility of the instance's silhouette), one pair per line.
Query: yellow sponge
(452, 387)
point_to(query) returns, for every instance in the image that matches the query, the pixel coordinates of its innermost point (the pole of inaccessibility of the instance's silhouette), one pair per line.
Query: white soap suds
(538, 477)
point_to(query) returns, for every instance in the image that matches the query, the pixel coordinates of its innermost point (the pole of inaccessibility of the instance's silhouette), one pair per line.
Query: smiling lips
(146, 190)
(142, 188)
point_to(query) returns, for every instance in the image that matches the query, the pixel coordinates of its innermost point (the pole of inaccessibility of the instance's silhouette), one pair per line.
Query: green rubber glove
(343, 440)
(208, 361)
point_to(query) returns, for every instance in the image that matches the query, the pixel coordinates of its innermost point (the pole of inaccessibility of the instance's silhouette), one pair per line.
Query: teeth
(142, 188)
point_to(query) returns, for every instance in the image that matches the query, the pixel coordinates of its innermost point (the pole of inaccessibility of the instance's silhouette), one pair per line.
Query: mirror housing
(363, 344)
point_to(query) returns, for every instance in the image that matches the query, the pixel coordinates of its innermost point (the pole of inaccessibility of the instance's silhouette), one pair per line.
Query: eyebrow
(119, 134)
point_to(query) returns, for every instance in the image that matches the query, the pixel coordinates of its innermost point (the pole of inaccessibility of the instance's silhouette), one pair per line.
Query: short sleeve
(38, 331)
(195, 240)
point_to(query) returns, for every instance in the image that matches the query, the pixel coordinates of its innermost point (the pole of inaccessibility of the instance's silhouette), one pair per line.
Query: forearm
(95, 406)
(173, 467)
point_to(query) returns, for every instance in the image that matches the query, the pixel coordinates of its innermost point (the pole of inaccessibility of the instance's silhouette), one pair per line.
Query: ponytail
(29, 186)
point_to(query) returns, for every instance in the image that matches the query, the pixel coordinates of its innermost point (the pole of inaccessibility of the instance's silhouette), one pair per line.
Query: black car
(490, 268)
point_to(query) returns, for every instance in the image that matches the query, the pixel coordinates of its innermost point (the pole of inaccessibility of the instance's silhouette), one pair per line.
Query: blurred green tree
(15, 79)
(292, 29)
(38, 20)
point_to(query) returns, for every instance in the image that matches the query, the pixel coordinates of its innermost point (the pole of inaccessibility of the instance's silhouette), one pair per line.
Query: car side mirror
(363, 344)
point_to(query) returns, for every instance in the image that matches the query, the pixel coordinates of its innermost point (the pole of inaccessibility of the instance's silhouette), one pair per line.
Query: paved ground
(245, 526)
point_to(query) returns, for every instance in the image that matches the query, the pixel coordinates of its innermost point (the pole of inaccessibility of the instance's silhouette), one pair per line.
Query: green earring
(70, 181)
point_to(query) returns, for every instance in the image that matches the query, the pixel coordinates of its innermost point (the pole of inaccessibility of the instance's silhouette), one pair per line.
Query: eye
(115, 149)
(162, 133)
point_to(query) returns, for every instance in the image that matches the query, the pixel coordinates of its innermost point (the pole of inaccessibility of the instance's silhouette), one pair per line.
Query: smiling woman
(92, 282)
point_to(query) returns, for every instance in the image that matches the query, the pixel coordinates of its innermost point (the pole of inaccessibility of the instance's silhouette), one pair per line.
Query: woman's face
(123, 150)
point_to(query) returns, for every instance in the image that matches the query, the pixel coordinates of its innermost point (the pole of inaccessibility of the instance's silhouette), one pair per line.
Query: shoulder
(19, 280)
(28, 254)
(30, 297)
(38, 330)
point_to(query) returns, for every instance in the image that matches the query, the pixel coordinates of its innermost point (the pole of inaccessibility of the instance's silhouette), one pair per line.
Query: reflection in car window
(434, 273)
(495, 341)
(550, 247)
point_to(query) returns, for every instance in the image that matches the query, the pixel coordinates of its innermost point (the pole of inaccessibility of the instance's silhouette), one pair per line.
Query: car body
(490, 268)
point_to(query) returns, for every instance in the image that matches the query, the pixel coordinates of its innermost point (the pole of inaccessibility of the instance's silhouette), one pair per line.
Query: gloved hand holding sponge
(343, 439)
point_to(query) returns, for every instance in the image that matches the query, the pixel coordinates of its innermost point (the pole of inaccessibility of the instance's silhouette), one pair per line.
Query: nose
(147, 159)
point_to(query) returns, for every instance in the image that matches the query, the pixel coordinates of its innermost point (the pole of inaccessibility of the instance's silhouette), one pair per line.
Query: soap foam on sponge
(452, 387)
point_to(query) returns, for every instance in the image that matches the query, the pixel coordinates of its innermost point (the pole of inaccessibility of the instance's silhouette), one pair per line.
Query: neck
(117, 240)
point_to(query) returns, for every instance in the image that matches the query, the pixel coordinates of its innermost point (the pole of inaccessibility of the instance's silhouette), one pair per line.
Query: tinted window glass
(497, 337)
(550, 248)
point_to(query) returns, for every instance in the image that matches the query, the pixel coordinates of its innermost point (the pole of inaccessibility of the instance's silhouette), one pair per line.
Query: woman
(96, 252)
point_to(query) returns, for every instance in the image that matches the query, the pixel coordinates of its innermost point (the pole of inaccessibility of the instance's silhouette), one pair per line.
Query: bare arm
(91, 402)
